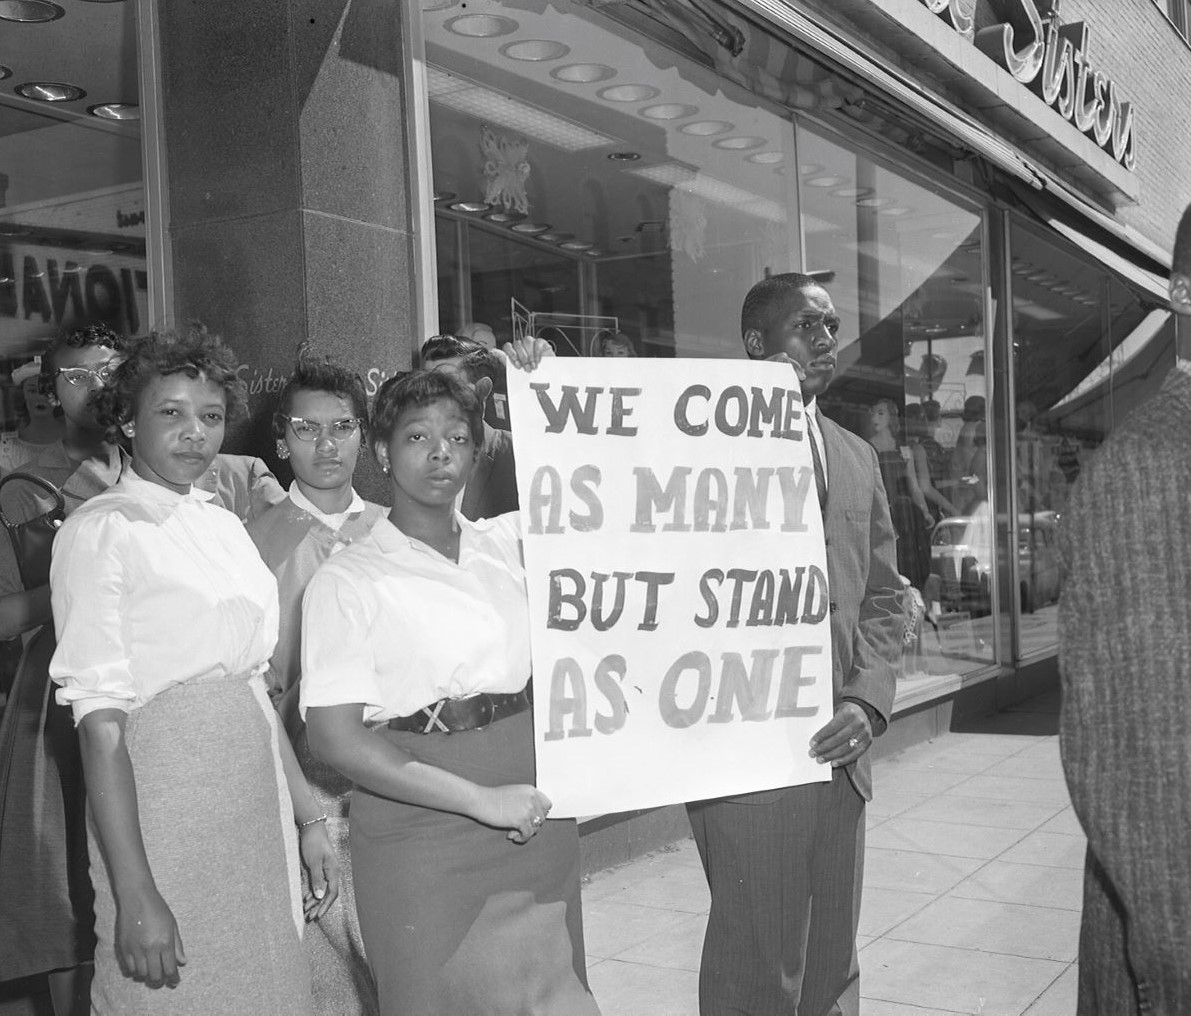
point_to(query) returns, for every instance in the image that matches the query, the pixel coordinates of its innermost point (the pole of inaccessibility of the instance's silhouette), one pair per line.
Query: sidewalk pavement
(973, 879)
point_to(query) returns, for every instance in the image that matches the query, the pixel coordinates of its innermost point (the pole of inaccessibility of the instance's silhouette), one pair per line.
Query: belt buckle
(487, 710)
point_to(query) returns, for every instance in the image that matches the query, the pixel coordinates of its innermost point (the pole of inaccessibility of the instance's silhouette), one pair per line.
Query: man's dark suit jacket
(492, 488)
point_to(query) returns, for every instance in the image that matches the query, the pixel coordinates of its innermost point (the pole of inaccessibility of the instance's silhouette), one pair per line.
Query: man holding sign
(785, 866)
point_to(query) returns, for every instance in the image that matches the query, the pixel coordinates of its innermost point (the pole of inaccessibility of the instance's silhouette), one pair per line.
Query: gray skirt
(218, 829)
(457, 920)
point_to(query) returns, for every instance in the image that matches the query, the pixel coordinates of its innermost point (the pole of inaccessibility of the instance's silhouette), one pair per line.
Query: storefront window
(72, 208)
(905, 266)
(1086, 351)
(590, 182)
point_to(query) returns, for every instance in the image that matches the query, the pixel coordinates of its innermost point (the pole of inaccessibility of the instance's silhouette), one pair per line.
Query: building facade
(989, 189)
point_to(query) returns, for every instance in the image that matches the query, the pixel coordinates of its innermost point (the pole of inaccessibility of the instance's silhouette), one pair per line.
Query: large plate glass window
(905, 265)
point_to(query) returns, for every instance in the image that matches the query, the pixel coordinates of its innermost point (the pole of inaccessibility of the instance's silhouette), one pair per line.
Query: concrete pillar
(286, 187)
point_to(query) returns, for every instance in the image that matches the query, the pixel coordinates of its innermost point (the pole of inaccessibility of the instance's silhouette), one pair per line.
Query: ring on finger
(853, 742)
(536, 821)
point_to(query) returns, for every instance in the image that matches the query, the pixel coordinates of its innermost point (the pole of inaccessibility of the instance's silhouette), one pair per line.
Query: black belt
(449, 716)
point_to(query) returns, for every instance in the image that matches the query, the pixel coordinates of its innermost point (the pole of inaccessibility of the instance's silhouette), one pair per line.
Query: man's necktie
(820, 473)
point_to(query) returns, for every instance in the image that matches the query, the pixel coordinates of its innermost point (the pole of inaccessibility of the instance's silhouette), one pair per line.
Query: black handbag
(31, 538)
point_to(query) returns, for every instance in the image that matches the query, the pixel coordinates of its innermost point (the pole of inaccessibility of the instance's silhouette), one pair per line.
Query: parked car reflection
(961, 557)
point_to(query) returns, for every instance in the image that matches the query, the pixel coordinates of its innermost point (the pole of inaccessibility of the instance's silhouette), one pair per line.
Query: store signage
(1030, 41)
(40, 293)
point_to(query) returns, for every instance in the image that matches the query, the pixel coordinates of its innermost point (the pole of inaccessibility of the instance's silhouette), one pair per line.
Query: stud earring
(282, 451)
(129, 429)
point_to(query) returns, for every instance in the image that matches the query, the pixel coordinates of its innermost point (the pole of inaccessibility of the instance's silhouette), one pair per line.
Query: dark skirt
(458, 920)
(45, 916)
(217, 824)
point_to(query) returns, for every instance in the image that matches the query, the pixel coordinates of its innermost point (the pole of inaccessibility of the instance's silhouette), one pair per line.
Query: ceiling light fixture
(115, 110)
(853, 192)
(766, 158)
(872, 202)
(624, 156)
(706, 128)
(531, 228)
(552, 237)
(582, 73)
(481, 26)
(895, 210)
(444, 195)
(740, 144)
(629, 93)
(809, 168)
(504, 218)
(669, 111)
(29, 11)
(534, 50)
(49, 91)
(826, 181)
(470, 206)
(5, 72)
(576, 245)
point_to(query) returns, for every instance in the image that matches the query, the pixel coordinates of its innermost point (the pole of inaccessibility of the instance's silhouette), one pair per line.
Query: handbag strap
(59, 508)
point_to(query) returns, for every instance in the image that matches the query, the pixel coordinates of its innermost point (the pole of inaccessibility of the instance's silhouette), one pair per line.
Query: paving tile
(1026, 884)
(915, 871)
(944, 757)
(1052, 850)
(949, 838)
(669, 886)
(1066, 822)
(1003, 745)
(875, 1007)
(1029, 766)
(632, 989)
(985, 926)
(950, 807)
(923, 782)
(1060, 998)
(1015, 788)
(884, 909)
(677, 948)
(1044, 749)
(891, 800)
(610, 928)
(954, 980)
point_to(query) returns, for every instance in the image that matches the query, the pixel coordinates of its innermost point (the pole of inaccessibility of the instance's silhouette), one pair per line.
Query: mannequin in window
(911, 517)
(969, 459)
(929, 457)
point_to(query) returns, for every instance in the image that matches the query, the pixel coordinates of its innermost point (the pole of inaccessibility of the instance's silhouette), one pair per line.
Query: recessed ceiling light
(809, 168)
(470, 206)
(583, 73)
(595, 252)
(766, 158)
(429, 6)
(28, 11)
(896, 210)
(50, 91)
(481, 26)
(504, 218)
(739, 144)
(624, 156)
(873, 202)
(115, 110)
(853, 192)
(669, 111)
(826, 181)
(530, 228)
(444, 195)
(5, 72)
(552, 237)
(535, 49)
(576, 245)
(629, 93)
(706, 128)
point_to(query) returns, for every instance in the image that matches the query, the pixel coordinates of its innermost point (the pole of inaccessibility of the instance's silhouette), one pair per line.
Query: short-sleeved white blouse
(151, 588)
(393, 624)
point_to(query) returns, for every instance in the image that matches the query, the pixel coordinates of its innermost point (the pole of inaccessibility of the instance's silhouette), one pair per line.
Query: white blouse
(393, 624)
(151, 588)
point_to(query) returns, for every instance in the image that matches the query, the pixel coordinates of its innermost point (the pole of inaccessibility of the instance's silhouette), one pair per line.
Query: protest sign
(677, 580)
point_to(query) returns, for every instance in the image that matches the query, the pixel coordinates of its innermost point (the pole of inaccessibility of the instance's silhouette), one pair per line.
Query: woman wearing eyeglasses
(46, 920)
(319, 426)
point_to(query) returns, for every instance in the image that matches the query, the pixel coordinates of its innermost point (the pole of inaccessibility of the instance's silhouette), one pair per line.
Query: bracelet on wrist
(311, 821)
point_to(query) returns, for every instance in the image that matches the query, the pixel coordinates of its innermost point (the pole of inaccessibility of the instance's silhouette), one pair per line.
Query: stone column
(287, 188)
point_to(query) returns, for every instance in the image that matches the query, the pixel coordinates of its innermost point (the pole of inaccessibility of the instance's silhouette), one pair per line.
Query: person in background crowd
(40, 421)
(969, 459)
(46, 919)
(479, 333)
(912, 520)
(320, 427)
(617, 344)
(491, 489)
(415, 668)
(1124, 647)
(166, 619)
(930, 457)
(785, 866)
